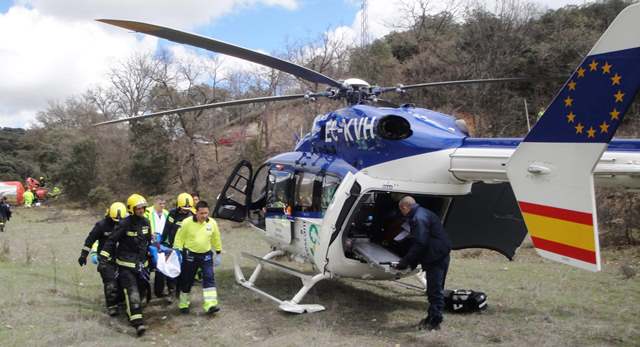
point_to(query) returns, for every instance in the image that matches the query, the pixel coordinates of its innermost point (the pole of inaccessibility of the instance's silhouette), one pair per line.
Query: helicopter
(332, 201)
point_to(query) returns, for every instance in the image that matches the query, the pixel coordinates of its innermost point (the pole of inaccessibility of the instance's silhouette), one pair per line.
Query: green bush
(100, 196)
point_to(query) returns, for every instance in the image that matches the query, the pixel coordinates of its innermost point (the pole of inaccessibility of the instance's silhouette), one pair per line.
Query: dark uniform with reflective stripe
(107, 269)
(5, 214)
(129, 242)
(430, 248)
(171, 226)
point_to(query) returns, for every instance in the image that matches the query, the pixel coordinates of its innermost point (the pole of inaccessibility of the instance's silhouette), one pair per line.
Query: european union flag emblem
(592, 103)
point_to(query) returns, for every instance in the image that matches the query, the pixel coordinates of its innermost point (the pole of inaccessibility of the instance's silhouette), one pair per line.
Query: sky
(53, 49)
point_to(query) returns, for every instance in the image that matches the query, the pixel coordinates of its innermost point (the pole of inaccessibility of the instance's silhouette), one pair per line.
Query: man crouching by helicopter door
(430, 247)
(197, 239)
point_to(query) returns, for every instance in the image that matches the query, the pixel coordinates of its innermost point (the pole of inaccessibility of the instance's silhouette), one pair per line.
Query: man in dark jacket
(107, 269)
(184, 206)
(129, 244)
(430, 247)
(5, 212)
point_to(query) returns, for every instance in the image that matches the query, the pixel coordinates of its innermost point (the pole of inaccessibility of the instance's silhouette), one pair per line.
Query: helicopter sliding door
(233, 200)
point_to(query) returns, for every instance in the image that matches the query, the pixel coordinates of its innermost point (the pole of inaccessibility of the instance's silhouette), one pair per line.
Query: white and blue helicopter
(331, 202)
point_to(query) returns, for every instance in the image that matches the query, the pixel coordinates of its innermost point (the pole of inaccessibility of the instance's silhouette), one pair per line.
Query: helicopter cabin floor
(46, 299)
(375, 230)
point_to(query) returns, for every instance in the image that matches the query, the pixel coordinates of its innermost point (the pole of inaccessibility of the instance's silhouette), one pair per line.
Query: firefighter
(107, 269)
(183, 210)
(198, 239)
(128, 244)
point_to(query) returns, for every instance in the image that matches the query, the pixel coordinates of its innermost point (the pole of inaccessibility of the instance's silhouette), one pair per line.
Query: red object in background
(17, 191)
(32, 183)
(41, 193)
(231, 138)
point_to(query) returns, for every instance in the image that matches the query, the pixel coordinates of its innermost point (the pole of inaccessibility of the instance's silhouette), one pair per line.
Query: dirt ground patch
(48, 300)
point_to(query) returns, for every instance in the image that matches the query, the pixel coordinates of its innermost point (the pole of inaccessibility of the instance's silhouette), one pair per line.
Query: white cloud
(185, 14)
(50, 50)
(45, 58)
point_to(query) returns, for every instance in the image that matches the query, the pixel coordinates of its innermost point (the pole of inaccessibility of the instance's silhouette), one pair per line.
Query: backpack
(464, 301)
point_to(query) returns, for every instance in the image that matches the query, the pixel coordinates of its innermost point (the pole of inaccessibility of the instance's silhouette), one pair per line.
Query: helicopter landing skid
(292, 306)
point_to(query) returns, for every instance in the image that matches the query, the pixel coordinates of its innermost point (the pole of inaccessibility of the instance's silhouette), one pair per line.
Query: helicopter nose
(393, 128)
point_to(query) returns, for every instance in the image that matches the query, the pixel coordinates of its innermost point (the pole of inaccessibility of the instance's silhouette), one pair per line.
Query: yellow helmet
(117, 211)
(185, 201)
(134, 201)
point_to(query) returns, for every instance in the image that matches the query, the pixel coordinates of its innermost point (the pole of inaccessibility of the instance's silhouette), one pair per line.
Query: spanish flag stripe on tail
(565, 250)
(554, 212)
(552, 229)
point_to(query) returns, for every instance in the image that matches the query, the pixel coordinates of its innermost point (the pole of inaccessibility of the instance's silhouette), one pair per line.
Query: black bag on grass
(464, 301)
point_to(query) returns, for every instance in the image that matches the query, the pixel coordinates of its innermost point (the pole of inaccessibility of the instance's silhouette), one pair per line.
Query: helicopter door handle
(538, 169)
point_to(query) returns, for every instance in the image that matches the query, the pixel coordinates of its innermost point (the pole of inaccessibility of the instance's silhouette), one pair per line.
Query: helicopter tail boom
(551, 171)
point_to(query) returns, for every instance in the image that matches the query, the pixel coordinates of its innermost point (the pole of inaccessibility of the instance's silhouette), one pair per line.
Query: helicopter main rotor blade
(225, 48)
(214, 105)
(448, 83)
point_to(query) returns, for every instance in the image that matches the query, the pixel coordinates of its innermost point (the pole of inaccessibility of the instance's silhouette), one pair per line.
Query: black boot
(140, 330)
(424, 321)
(434, 324)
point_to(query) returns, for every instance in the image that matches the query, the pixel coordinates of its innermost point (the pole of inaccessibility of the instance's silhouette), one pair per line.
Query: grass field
(46, 299)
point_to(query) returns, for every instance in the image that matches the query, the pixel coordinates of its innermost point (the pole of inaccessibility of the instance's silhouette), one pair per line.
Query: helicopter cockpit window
(329, 186)
(304, 198)
(278, 189)
(260, 185)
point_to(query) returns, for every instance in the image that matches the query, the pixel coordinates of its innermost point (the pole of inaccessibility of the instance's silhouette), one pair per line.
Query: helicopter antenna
(364, 25)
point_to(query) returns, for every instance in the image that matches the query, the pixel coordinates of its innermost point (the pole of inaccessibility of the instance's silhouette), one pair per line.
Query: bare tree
(133, 81)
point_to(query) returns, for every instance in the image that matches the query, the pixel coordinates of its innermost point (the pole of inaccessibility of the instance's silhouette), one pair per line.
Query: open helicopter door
(334, 218)
(234, 199)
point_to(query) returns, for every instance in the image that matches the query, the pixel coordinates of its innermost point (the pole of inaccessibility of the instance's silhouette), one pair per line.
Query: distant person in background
(196, 198)
(5, 212)
(28, 198)
(157, 216)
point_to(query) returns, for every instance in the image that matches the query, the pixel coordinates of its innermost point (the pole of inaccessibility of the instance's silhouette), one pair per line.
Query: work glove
(218, 260)
(82, 260)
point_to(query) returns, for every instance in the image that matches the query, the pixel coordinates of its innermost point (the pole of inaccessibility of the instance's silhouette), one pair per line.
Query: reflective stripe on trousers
(210, 298)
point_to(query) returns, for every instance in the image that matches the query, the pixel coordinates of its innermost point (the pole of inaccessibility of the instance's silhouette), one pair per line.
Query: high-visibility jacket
(151, 215)
(28, 198)
(198, 237)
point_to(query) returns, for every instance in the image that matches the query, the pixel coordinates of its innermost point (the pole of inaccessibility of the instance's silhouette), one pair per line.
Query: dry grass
(532, 301)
